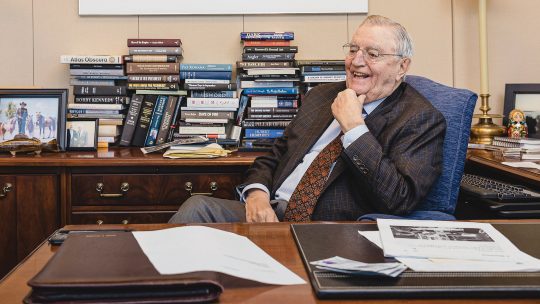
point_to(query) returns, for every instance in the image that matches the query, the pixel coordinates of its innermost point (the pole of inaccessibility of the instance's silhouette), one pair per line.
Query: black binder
(321, 241)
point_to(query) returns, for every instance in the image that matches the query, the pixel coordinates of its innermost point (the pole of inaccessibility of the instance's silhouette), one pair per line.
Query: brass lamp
(484, 131)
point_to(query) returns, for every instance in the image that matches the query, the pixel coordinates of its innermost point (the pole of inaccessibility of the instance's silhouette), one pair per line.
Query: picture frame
(82, 134)
(38, 113)
(526, 97)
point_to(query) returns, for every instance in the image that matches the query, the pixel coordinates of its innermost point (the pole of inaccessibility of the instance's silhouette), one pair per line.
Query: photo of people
(33, 116)
(81, 134)
(440, 234)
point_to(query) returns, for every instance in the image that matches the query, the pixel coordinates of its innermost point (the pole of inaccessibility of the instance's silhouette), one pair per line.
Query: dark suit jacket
(390, 169)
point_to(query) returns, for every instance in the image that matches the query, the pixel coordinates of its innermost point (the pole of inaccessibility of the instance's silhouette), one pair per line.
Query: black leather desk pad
(320, 241)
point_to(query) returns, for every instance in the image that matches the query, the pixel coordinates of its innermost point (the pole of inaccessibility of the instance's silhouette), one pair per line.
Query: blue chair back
(457, 106)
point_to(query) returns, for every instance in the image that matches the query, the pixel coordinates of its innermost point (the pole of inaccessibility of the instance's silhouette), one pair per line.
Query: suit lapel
(376, 122)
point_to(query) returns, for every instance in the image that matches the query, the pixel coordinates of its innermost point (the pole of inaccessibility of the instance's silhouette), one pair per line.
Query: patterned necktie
(305, 196)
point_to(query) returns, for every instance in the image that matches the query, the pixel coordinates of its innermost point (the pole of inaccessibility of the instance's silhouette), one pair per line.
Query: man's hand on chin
(258, 209)
(347, 109)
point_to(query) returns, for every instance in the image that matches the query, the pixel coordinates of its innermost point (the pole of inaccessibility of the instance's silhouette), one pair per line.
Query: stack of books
(526, 148)
(316, 72)
(100, 93)
(212, 105)
(152, 64)
(269, 79)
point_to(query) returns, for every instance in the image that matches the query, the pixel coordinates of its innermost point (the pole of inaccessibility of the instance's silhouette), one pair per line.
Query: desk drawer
(113, 217)
(149, 189)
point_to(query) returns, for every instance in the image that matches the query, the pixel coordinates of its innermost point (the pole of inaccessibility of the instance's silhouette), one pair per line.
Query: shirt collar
(372, 105)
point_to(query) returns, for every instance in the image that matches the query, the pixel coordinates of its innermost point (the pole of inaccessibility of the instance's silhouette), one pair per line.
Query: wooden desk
(275, 239)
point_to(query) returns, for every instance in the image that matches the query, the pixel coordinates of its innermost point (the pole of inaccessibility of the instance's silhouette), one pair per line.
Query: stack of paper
(445, 246)
(196, 151)
(339, 264)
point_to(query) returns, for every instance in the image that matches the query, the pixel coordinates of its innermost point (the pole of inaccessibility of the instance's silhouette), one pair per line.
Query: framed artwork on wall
(220, 7)
(35, 113)
(525, 97)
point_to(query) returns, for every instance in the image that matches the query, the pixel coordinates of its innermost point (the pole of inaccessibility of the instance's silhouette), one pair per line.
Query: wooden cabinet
(119, 185)
(29, 212)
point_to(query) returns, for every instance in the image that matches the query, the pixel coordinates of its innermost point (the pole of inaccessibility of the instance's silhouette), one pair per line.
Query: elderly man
(371, 144)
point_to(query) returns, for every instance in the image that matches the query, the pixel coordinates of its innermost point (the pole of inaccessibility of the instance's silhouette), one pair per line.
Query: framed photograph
(38, 113)
(526, 97)
(82, 134)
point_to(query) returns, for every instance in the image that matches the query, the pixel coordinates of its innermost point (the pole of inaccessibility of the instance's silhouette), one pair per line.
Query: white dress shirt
(286, 189)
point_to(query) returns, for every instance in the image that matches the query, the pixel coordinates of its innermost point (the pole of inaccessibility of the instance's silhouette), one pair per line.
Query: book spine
(99, 90)
(155, 122)
(270, 116)
(154, 78)
(174, 119)
(100, 77)
(267, 36)
(92, 111)
(268, 56)
(191, 67)
(207, 114)
(272, 110)
(75, 81)
(263, 133)
(201, 129)
(150, 58)
(242, 105)
(323, 78)
(166, 121)
(98, 72)
(264, 43)
(266, 124)
(210, 86)
(131, 120)
(155, 51)
(145, 115)
(100, 116)
(91, 59)
(153, 86)
(199, 80)
(264, 64)
(322, 68)
(212, 102)
(271, 91)
(320, 62)
(96, 66)
(152, 68)
(275, 104)
(271, 49)
(154, 42)
(102, 99)
(205, 75)
(213, 94)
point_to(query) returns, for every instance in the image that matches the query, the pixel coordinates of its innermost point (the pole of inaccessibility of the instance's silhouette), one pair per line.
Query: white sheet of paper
(523, 164)
(198, 248)
(457, 265)
(444, 239)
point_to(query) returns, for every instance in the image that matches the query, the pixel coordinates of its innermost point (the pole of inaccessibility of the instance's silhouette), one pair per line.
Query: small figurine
(22, 143)
(517, 127)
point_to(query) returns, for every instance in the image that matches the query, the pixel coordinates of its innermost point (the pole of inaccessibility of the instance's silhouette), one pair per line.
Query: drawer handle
(124, 187)
(125, 222)
(7, 188)
(99, 222)
(189, 186)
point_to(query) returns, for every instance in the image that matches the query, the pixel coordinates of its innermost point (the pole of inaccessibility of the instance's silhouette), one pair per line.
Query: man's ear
(403, 67)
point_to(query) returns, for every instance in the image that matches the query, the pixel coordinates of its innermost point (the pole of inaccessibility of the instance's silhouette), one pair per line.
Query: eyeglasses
(370, 55)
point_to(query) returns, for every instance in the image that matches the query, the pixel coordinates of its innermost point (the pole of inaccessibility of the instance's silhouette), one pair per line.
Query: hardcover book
(143, 123)
(192, 67)
(133, 42)
(270, 49)
(131, 120)
(210, 86)
(263, 133)
(155, 122)
(100, 90)
(102, 99)
(205, 75)
(89, 59)
(166, 120)
(212, 102)
(150, 58)
(268, 64)
(268, 56)
(266, 42)
(267, 35)
(155, 51)
(153, 86)
(154, 78)
(152, 68)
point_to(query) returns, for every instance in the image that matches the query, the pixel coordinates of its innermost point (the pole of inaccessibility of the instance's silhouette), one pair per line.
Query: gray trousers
(207, 209)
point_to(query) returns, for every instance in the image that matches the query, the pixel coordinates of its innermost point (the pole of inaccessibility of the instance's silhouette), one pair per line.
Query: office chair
(457, 106)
